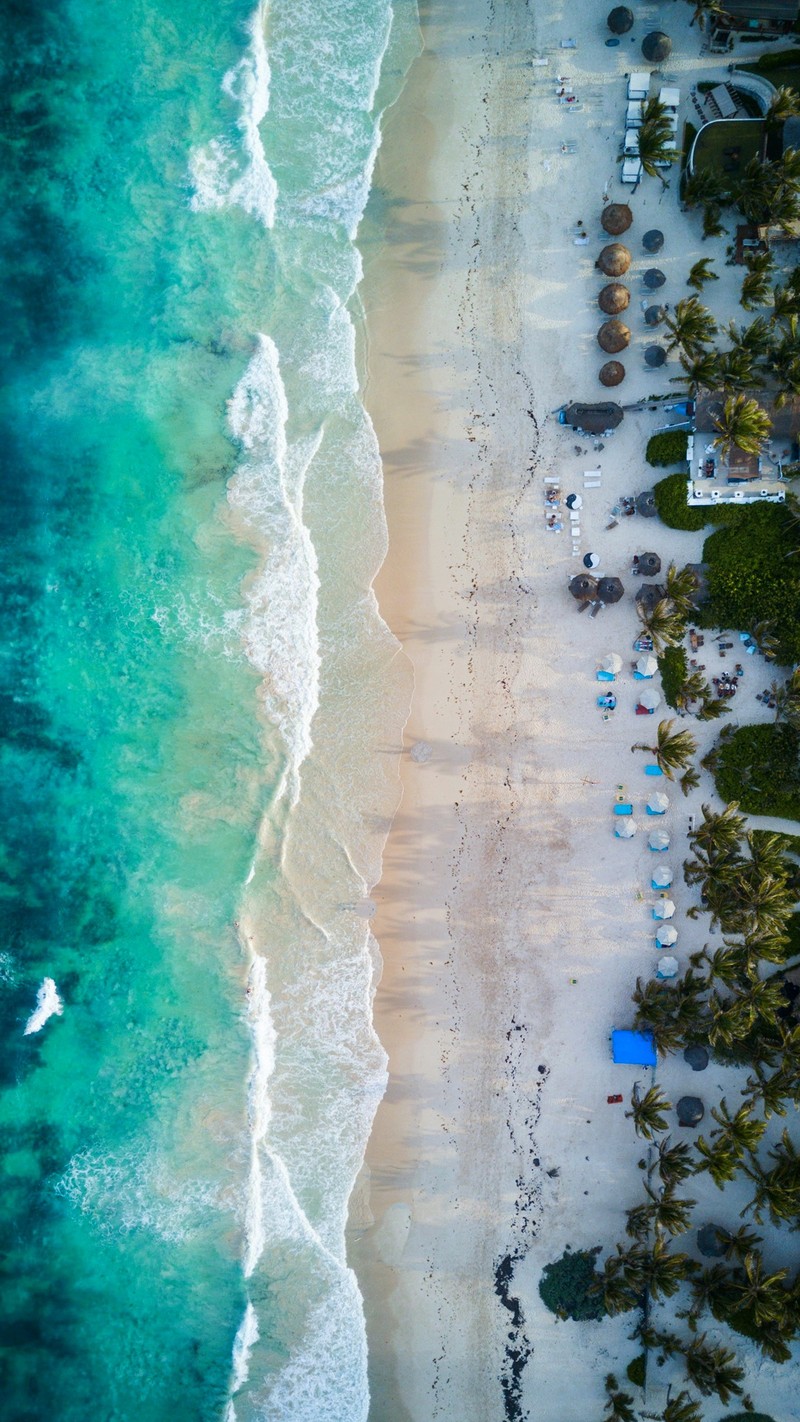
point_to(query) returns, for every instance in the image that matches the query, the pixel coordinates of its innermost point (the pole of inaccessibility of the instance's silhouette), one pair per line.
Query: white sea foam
(228, 175)
(280, 631)
(247, 1334)
(48, 1004)
(135, 1190)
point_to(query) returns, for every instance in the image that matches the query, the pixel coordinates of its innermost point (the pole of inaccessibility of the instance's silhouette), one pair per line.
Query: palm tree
(673, 749)
(712, 708)
(778, 1189)
(680, 587)
(760, 1294)
(691, 328)
(671, 1215)
(656, 140)
(782, 358)
(784, 302)
(718, 1159)
(756, 288)
(710, 1289)
(647, 1112)
(682, 1409)
(785, 104)
(765, 639)
(713, 1370)
(739, 1242)
(737, 369)
(662, 623)
(720, 833)
(673, 1162)
(768, 1092)
(690, 780)
(704, 186)
(742, 1133)
(700, 372)
(619, 1407)
(662, 1272)
(701, 273)
(743, 425)
(617, 1296)
(712, 225)
(767, 192)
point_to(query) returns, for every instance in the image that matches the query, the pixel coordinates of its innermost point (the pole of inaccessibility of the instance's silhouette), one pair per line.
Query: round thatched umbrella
(655, 356)
(653, 278)
(654, 315)
(649, 564)
(613, 336)
(612, 373)
(656, 47)
(614, 259)
(653, 240)
(614, 298)
(620, 20)
(709, 1243)
(649, 594)
(690, 1111)
(646, 504)
(583, 588)
(610, 590)
(616, 218)
(696, 1058)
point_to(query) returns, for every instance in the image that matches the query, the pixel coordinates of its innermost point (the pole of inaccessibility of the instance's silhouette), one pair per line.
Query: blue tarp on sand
(634, 1048)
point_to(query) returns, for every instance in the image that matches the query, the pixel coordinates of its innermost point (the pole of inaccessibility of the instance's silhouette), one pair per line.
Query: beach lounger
(605, 676)
(653, 770)
(623, 809)
(569, 44)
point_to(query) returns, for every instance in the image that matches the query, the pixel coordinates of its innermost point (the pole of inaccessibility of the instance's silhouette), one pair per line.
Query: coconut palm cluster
(731, 1001)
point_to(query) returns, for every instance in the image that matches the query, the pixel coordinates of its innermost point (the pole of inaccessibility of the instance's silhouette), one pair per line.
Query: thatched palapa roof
(614, 259)
(613, 336)
(612, 373)
(614, 298)
(593, 419)
(583, 587)
(610, 590)
(620, 20)
(616, 218)
(656, 47)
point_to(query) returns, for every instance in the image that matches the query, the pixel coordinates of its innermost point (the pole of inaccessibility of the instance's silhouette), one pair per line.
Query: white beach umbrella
(612, 663)
(665, 908)
(659, 839)
(626, 829)
(667, 966)
(661, 877)
(658, 804)
(649, 699)
(666, 935)
(647, 666)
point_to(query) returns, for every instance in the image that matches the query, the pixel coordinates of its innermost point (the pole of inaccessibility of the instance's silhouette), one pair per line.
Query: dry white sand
(512, 923)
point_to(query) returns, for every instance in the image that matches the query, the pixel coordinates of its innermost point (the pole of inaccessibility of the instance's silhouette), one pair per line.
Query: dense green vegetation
(636, 1370)
(673, 510)
(673, 667)
(569, 1287)
(668, 447)
(751, 576)
(760, 767)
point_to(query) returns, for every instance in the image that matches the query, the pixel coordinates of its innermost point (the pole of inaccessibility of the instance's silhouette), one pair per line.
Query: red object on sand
(612, 1100)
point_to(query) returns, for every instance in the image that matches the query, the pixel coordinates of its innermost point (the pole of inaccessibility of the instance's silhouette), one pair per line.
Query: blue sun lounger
(623, 809)
(653, 770)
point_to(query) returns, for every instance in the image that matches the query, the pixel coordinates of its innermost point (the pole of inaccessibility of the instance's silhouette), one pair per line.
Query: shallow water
(199, 703)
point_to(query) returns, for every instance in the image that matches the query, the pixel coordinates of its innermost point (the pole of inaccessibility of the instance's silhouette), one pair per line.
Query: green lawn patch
(758, 766)
(728, 145)
(781, 66)
(565, 1286)
(673, 510)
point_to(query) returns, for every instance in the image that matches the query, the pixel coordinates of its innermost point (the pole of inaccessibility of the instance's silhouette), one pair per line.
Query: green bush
(565, 1286)
(673, 510)
(748, 1417)
(635, 1371)
(758, 766)
(668, 447)
(751, 575)
(674, 669)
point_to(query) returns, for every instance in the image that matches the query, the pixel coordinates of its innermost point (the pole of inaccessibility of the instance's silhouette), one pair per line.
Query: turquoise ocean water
(199, 702)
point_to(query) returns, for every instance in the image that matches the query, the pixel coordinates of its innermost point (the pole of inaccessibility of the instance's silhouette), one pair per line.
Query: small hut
(612, 373)
(613, 336)
(649, 565)
(610, 590)
(620, 20)
(614, 259)
(583, 588)
(616, 218)
(690, 1111)
(656, 47)
(649, 594)
(614, 298)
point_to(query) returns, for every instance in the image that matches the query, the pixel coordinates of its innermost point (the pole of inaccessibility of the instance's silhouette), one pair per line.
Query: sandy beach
(511, 923)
